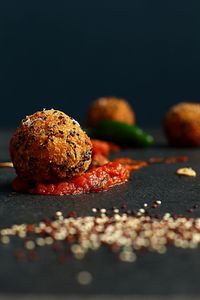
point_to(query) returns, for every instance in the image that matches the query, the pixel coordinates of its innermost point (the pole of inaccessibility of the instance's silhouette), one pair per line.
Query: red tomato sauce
(103, 148)
(95, 180)
(102, 175)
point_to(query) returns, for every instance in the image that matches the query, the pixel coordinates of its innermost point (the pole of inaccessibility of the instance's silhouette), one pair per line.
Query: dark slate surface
(176, 272)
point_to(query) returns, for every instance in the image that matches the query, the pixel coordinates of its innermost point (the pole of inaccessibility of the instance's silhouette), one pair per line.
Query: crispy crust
(110, 108)
(182, 124)
(49, 145)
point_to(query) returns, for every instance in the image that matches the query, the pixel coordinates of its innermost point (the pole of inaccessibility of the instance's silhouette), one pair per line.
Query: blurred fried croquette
(110, 108)
(182, 124)
(50, 146)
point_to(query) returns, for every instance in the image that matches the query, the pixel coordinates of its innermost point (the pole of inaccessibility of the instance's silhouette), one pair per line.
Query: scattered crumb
(186, 172)
(7, 164)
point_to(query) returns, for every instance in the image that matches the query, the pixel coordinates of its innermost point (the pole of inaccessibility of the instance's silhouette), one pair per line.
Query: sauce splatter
(95, 180)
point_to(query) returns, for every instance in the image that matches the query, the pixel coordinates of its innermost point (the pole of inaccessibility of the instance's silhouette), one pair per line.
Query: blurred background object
(182, 124)
(64, 54)
(110, 108)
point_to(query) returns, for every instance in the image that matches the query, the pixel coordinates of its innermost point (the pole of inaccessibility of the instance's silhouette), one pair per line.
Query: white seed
(30, 245)
(40, 241)
(5, 239)
(49, 240)
(58, 213)
(84, 278)
(158, 202)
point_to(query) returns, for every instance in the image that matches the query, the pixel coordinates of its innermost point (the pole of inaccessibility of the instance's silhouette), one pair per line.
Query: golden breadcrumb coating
(49, 145)
(110, 108)
(182, 124)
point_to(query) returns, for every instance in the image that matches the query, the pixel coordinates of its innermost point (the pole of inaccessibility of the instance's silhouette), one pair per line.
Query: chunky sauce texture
(101, 175)
(94, 180)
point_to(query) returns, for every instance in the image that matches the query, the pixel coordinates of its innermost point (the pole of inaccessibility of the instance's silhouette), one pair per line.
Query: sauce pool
(101, 175)
(94, 180)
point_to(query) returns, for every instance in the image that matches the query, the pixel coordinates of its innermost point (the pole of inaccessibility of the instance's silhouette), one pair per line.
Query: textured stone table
(175, 273)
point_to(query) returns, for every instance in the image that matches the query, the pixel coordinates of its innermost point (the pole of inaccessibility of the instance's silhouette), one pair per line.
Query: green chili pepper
(121, 133)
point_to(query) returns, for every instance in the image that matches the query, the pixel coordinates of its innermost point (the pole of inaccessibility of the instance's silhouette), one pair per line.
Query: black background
(63, 54)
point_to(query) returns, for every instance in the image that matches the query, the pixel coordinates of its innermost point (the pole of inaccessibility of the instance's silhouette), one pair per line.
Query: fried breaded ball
(50, 146)
(110, 108)
(182, 124)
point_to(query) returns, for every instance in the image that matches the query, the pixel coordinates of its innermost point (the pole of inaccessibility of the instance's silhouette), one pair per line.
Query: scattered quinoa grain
(158, 202)
(49, 240)
(127, 256)
(5, 239)
(29, 245)
(125, 234)
(58, 213)
(84, 278)
(40, 241)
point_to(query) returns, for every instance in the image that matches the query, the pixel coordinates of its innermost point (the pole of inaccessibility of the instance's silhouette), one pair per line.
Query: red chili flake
(115, 247)
(72, 214)
(33, 255)
(70, 239)
(30, 228)
(47, 221)
(154, 205)
(56, 247)
(62, 258)
(123, 206)
(20, 255)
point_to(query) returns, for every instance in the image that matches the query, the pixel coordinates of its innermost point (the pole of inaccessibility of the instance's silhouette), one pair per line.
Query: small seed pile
(124, 232)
